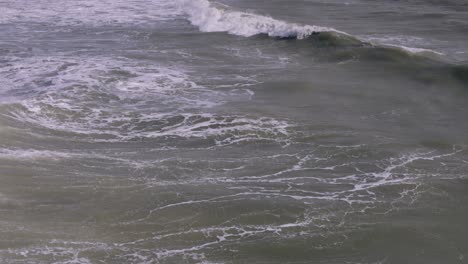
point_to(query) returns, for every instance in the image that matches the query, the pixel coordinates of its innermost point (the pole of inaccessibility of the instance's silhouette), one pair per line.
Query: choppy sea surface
(234, 131)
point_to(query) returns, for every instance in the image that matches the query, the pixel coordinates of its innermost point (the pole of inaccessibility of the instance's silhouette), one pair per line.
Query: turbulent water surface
(235, 131)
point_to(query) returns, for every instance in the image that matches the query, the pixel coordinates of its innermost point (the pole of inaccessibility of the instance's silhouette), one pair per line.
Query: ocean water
(233, 131)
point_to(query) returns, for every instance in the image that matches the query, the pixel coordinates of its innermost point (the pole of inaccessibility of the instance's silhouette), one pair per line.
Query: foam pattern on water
(114, 100)
(322, 206)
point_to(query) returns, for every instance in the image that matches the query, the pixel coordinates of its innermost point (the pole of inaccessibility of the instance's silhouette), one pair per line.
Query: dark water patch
(425, 66)
(437, 144)
(461, 73)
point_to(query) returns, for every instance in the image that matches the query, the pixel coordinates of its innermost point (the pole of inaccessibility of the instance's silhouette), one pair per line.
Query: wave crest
(210, 17)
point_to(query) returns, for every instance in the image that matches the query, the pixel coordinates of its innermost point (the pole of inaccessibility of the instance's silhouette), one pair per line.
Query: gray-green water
(191, 131)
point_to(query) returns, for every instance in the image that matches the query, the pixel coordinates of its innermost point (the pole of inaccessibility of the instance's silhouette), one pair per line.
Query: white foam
(32, 154)
(36, 154)
(65, 94)
(62, 252)
(386, 177)
(405, 43)
(205, 125)
(415, 50)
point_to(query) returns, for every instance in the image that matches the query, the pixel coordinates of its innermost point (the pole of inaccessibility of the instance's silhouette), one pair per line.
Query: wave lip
(217, 18)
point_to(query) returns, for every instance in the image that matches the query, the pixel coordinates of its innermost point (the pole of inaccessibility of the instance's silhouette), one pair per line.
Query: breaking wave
(324, 43)
(214, 17)
(211, 17)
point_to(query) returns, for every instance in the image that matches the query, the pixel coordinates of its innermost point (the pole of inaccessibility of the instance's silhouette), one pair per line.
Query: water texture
(196, 131)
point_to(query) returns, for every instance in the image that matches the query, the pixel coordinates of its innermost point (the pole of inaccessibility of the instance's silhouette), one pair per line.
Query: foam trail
(211, 18)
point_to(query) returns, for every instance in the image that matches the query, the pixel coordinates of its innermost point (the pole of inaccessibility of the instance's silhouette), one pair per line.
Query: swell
(323, 43)
(214, 17)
